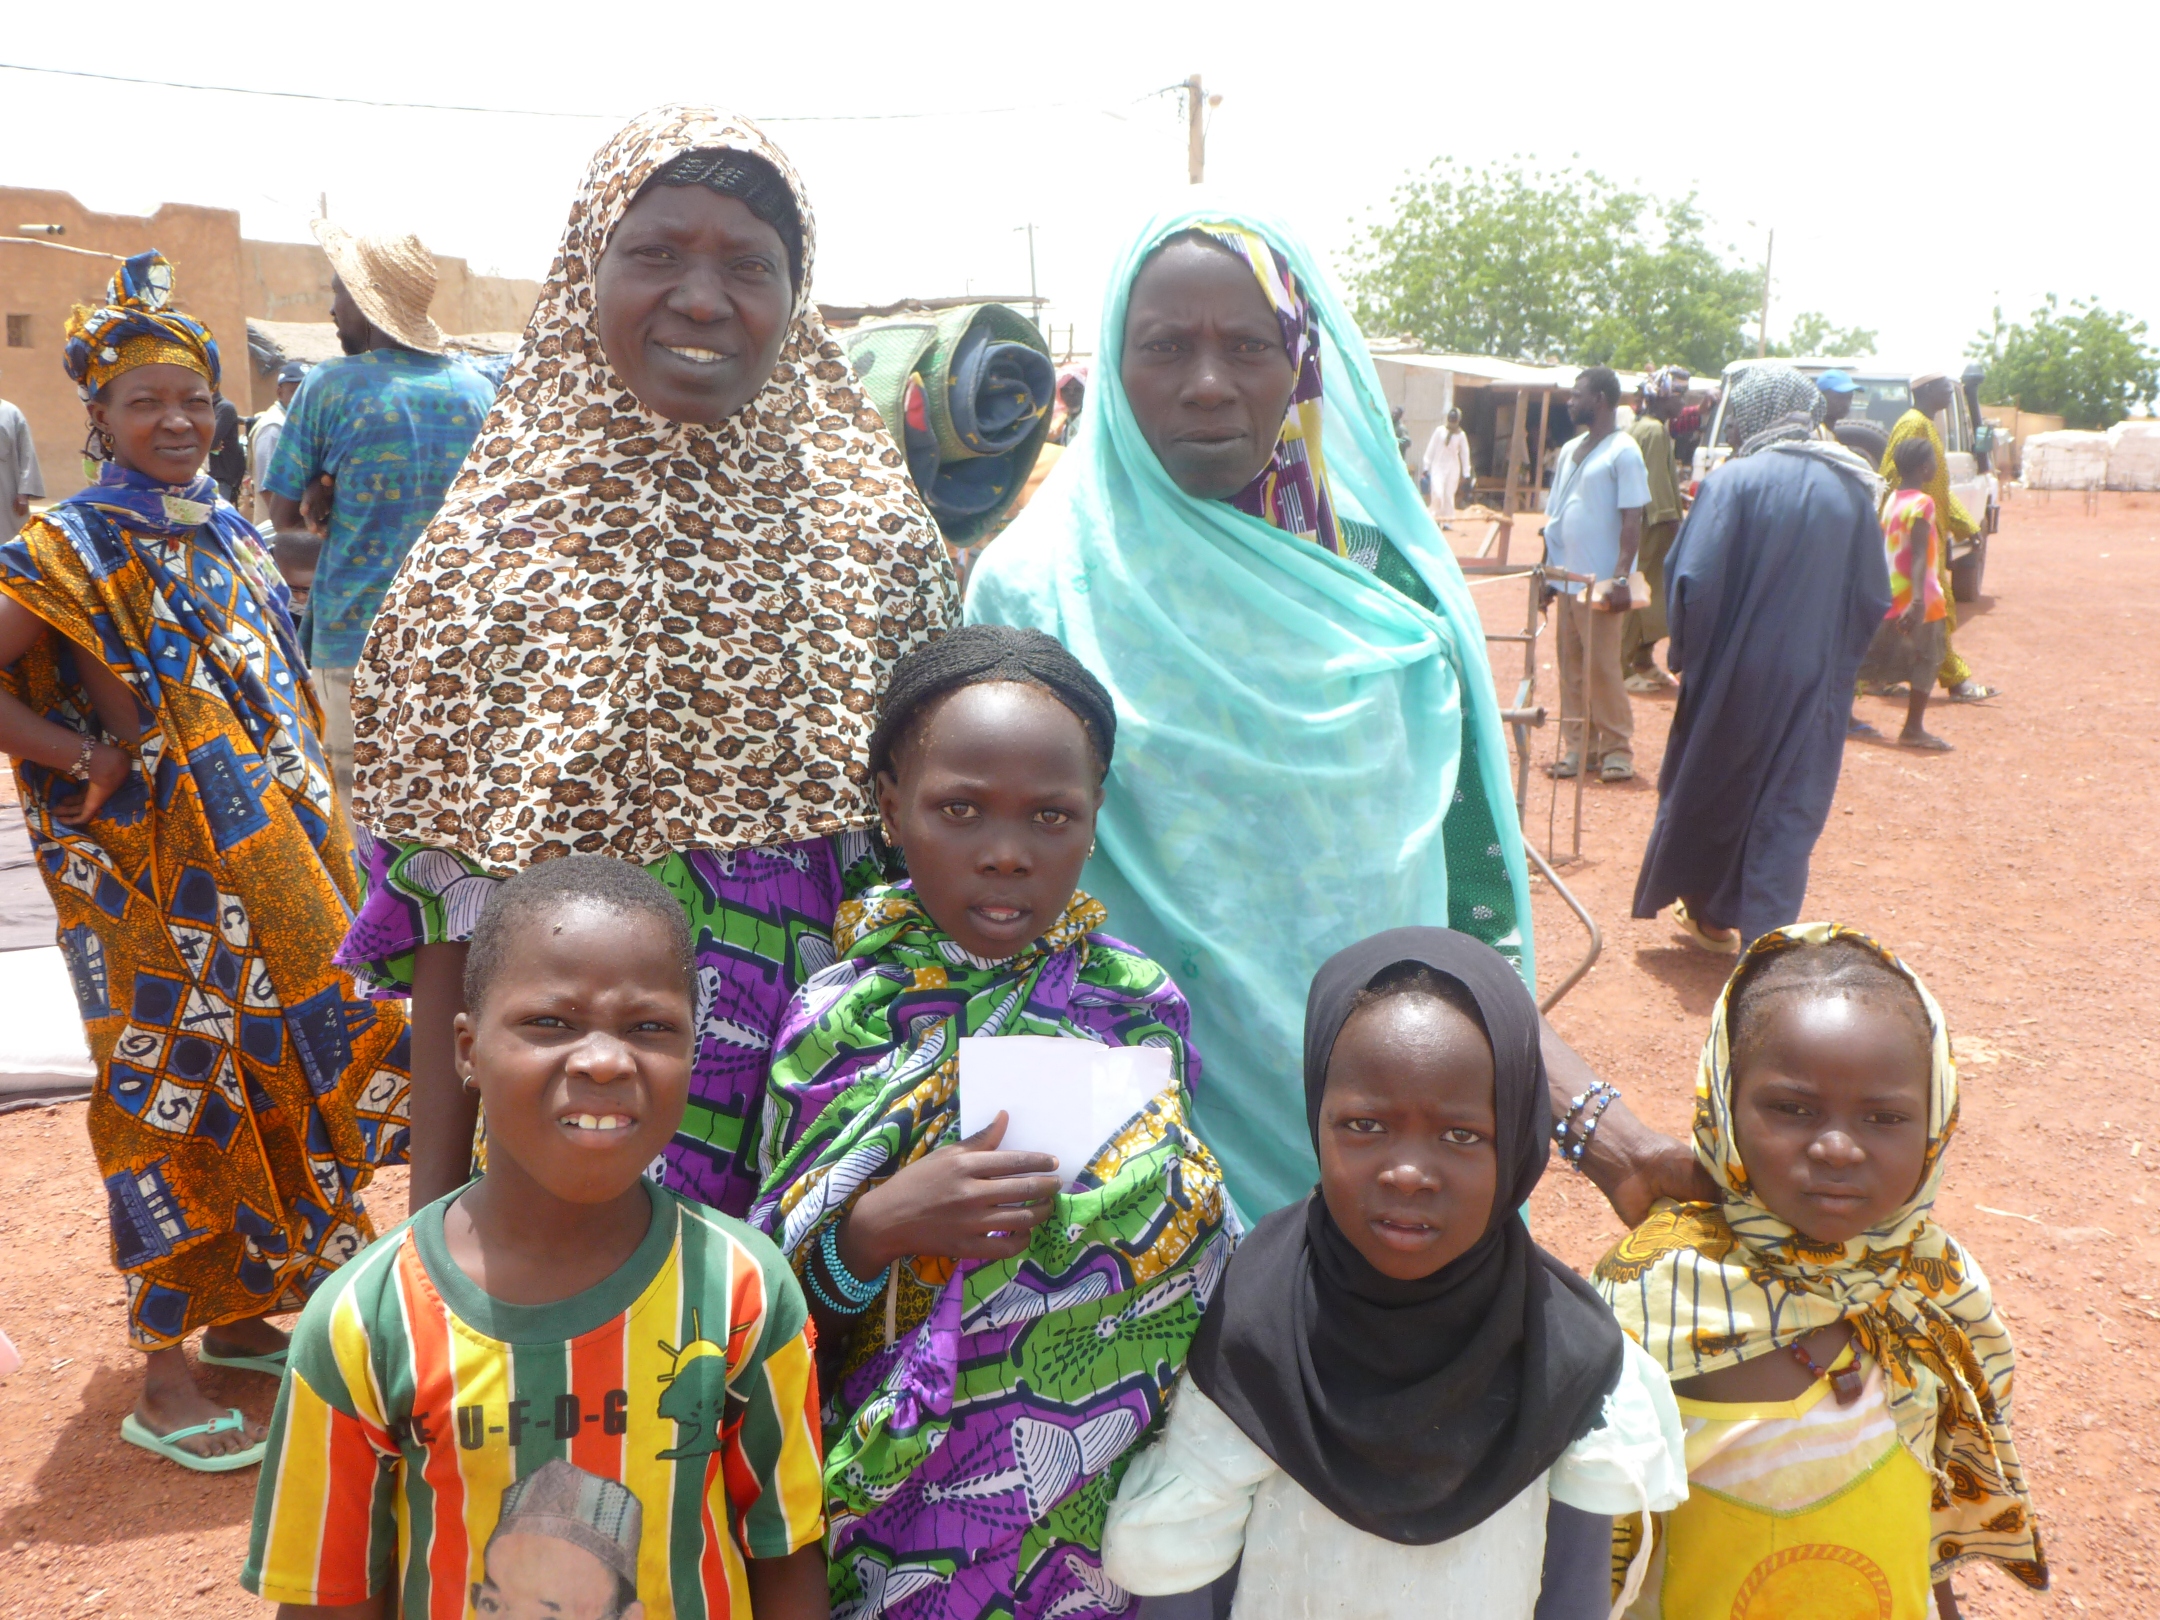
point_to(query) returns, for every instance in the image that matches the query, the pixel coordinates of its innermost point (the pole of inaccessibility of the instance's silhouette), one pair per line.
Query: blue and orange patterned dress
(246, 1087)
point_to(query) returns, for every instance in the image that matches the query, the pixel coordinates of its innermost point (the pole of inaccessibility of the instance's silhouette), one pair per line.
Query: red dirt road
(2027, 905)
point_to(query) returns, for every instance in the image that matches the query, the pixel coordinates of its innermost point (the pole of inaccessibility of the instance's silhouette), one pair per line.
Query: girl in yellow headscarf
(1844, 1379)
(168, 755)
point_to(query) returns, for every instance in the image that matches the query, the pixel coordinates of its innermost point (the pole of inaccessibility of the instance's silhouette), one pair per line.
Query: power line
(513, 112)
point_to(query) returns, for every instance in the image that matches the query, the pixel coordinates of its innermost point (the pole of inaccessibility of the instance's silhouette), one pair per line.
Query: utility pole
(1033, 298)
(1195, 131)
(1762, 334)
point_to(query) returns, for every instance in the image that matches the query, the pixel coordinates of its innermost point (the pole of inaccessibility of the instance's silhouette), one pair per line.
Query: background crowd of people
(644, 823)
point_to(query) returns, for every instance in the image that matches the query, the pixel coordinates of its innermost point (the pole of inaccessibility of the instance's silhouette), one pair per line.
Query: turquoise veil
(1289, 728)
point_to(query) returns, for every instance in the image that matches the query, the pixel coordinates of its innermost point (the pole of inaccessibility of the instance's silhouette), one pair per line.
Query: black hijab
(1414, 1410)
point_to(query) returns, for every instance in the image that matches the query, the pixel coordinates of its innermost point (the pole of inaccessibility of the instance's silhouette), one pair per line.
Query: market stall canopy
(1482, 371)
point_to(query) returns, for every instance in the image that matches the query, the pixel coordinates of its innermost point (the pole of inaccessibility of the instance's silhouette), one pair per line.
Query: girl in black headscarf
(1398, 1401)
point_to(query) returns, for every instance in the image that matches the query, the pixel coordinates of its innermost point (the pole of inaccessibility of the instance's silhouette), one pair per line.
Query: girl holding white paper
(994, 1347)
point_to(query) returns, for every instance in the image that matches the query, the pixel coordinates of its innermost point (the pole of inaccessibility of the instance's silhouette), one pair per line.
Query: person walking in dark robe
(1773, 590)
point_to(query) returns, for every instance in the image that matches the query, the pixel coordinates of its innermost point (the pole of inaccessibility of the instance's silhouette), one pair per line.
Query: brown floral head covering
(633, 635)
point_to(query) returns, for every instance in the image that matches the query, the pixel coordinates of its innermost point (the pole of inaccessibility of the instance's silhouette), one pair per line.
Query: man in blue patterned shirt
(369, 448)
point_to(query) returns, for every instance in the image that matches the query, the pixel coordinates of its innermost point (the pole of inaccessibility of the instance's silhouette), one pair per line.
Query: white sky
(1794, 116)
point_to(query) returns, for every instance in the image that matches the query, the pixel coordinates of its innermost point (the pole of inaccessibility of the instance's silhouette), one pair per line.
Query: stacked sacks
(967, 396)
(2066, 459)
(2134, 454)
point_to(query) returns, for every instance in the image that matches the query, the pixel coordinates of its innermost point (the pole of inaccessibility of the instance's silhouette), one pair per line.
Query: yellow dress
(1957, 524)
(1797, 1510)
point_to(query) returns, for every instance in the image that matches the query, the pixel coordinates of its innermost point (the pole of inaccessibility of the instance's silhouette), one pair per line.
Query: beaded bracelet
(853, 1289)
(1574, 1107)
(817, 1289)
(1601, 1096)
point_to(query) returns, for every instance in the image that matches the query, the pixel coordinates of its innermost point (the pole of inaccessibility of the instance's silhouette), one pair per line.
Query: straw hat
(391, 278)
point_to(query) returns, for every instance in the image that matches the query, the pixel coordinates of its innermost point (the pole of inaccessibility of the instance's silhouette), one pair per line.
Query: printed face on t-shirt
(536, 1577)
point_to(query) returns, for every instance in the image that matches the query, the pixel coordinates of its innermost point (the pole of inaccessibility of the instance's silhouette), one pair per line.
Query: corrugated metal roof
(1479, 370)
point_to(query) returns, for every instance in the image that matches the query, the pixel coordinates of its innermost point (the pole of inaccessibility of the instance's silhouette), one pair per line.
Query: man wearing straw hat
(369, 447)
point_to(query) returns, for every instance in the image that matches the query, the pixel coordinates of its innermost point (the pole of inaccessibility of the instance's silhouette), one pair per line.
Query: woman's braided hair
(748, 178)
(979, 653)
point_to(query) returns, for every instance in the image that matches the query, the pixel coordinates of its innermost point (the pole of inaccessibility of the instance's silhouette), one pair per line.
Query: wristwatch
(80, 770)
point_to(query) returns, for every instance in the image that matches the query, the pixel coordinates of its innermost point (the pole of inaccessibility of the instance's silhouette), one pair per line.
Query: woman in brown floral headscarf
(651, 621)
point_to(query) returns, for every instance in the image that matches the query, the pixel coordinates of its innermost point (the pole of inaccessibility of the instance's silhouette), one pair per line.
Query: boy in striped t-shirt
(561, 1391)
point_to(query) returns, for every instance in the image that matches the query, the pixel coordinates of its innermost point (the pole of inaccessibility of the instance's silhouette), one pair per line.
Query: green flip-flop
(137, 1433)
(273, 1364)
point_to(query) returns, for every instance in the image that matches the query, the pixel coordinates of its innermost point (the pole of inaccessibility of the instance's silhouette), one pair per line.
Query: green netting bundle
(967, 396)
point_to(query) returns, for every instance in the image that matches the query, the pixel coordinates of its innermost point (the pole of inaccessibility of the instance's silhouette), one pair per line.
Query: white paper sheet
(1064, 1097)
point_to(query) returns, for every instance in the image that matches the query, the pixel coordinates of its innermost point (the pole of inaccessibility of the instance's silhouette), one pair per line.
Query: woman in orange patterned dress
(168, 754)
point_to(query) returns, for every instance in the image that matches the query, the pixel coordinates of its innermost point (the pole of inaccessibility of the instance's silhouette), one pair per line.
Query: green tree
(2090, 366)
(1504, 260)
(1668, 298)
(1812, 333)
(1516, 261)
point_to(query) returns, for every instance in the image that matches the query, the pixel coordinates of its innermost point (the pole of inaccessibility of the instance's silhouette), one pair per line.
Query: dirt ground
(2014, 873)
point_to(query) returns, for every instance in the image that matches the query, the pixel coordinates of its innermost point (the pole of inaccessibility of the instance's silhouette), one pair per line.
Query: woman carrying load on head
(1236, 549)
(168, 753)
(652, 620)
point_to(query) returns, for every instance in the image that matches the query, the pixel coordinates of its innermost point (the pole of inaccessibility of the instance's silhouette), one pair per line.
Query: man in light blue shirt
(1593, 527)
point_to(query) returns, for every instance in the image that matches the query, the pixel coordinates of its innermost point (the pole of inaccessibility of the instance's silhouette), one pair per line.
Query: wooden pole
(1517, 444)
(1195, 131)
(1537, 467)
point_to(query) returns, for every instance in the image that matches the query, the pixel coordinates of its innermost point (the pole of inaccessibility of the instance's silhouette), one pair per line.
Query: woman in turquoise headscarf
(1233, 545)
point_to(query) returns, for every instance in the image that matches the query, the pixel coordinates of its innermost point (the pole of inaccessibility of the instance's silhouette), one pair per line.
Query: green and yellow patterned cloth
(986, 1409)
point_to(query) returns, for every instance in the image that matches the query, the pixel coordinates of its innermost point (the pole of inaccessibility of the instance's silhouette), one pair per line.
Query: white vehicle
(1885, 394)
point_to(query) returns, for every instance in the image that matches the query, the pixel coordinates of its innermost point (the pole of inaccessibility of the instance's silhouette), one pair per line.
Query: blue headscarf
(1289, 728)
(135, 326)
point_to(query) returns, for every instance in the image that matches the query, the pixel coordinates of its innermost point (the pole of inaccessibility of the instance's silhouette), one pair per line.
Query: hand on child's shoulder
(1668, 1228)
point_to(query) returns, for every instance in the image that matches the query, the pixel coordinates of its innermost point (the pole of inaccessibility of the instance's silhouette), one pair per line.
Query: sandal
(1971, 691)
(1857, 727)
(1701, 937)
(1649, 682)
(137, 1433)
(1616, 770)
(1560, 769)
(1926, 743)
(271, 1365)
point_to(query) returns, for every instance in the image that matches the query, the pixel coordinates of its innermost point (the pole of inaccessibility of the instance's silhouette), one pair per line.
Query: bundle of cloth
(967, 396)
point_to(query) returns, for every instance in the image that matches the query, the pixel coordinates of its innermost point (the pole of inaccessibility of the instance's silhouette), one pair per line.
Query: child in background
(1001, 1345)
(1909, 646)
(1400, 1405)
(1842, 1372)
(592, 1395)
